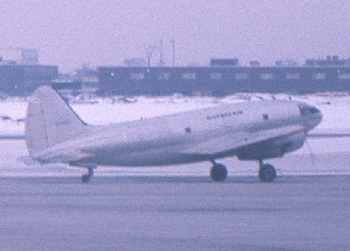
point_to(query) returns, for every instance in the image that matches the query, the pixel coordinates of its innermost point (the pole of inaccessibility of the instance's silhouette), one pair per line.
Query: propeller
(312, 155)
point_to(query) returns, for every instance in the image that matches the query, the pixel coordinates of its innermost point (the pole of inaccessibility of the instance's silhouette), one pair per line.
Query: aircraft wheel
(86, 178)
(218, 172)
(267, 173)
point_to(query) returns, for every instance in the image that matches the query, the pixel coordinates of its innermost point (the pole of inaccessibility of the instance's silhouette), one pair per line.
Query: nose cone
(312, 115)
(318, 116)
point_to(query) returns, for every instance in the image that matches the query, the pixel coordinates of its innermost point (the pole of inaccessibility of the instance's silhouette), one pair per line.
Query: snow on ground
(319, 156)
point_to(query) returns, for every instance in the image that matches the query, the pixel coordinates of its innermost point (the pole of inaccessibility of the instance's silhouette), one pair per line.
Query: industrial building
(20, 73)
(227, 77)
(20, 80)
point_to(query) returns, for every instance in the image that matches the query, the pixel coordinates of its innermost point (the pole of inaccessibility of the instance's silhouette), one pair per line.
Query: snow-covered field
(319, 156)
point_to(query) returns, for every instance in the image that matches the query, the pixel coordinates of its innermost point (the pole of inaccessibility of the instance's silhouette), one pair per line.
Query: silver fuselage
(226, 130)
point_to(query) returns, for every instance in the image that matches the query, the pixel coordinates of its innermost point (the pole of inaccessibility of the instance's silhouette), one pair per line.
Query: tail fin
(50, 120)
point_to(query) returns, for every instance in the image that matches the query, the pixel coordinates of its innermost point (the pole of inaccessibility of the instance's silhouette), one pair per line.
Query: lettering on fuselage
(224, 115)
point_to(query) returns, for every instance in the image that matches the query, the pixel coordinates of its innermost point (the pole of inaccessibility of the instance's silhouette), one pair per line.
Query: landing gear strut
(267, 172)
(218, 172)
(86, 177)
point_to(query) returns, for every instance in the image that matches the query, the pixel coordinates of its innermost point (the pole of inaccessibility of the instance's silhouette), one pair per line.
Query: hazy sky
(105, 32)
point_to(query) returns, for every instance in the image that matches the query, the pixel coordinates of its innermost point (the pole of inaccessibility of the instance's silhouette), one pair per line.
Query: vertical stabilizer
(50, 120)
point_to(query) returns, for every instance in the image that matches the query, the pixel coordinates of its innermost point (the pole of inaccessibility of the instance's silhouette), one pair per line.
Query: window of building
(293, 75)
(163, 76)
(189, 76)
(344, 76)
(216, 75)
(241, 75)
(137, 76)
(266, 76)
(319, 76)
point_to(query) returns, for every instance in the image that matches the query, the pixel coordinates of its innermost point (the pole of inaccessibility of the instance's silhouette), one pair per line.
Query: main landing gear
(86, 177)
(267, 172)
(218, 172)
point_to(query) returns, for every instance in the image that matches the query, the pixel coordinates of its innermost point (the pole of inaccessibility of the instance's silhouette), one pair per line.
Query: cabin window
(266, 76)
(306, 110)
(265, 116)
(216, 75)
(344, 76)
(319, 76)
(293, 76)
(137, 76)
(241, 75)
(188, 130)
(189, 76)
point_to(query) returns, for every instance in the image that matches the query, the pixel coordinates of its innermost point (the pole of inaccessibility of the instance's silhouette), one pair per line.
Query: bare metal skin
(250, 131)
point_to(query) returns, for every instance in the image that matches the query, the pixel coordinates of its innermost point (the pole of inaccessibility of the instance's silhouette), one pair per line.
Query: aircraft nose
(313, 116)
(318, 115)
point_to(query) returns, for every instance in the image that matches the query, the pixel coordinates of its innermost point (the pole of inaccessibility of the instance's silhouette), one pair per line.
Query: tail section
(50, 120)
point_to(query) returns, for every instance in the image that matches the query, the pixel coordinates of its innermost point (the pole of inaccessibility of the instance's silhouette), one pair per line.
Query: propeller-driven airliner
(250, 131)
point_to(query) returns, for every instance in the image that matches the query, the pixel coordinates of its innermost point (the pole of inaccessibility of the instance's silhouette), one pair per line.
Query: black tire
(218, 172)
(267, 173)
(85, 178)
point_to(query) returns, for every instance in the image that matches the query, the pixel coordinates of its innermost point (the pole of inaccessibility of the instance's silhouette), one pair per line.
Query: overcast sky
(105, 32)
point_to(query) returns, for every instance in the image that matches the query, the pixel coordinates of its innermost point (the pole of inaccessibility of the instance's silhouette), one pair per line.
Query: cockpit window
(306, 110)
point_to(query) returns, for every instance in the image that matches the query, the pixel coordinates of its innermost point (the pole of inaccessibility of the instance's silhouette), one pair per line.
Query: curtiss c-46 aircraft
(250, 131)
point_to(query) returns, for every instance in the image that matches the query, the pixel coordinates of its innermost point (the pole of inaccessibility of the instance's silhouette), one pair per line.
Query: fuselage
(186, 137)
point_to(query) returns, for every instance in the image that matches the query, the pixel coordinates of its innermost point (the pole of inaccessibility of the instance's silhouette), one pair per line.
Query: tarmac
(175, 213)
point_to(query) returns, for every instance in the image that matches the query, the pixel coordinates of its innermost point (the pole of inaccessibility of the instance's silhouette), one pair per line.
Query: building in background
(19, 56)
(21, 73)
(226, 76)
(82, 80)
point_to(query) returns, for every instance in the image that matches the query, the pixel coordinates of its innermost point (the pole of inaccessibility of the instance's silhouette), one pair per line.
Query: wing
(233, 144)
(329, 133)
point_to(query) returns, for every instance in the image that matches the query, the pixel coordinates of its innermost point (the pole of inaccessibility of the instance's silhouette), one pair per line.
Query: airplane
(250, 131)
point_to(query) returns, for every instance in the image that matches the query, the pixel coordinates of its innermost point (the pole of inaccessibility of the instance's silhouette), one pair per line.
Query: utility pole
(149, 52)
(161, 60)
(173, 51)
